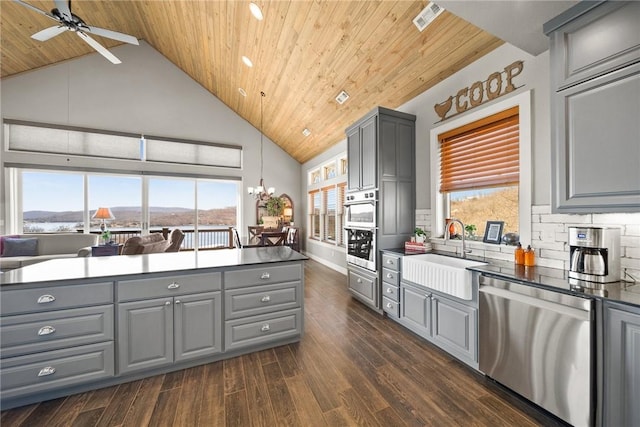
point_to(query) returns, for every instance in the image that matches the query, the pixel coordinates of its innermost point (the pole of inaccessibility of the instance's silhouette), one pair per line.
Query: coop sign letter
(481, 91)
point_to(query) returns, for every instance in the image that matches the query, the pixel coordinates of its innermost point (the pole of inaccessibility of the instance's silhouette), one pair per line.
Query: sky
(61, 192)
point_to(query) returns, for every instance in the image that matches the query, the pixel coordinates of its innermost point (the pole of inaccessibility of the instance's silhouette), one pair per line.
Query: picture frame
(493, 232)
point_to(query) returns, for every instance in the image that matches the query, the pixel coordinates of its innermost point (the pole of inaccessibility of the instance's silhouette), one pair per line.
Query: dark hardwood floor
(353, 367)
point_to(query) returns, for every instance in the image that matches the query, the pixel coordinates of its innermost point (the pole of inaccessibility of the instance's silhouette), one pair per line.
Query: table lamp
(103, 214)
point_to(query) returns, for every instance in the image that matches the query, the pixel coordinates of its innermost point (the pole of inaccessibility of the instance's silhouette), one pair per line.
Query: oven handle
(348, 227)
(577, 313)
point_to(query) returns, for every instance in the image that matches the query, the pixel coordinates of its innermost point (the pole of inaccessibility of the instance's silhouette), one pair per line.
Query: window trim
(438, 200)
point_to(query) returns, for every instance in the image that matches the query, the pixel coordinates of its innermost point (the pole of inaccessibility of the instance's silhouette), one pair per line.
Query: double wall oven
(360, 228)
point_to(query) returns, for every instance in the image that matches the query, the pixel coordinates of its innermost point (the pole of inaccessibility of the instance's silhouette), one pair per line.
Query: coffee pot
(594, 254)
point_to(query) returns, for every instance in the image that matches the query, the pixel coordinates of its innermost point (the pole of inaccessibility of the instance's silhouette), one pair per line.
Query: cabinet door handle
(359, 280)
(265, 328)
(389, 275)
(46, 330)
(44, 299)
(178, 301)
(389, 261)
(389, 290)
(389, 305)
(167, 303)
(265, 275)
(265, 298)
(47, 370)
(173, 285)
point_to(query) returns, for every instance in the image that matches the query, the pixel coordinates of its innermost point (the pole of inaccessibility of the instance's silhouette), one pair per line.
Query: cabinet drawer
(262, 299)
(262, 275)
(391, 307)
(391, 277)
(391, 262)
(391, 292)
(30, 333)
(16, 301)
(168, 286)
(364, 286)
(247, 332)
(55, 369)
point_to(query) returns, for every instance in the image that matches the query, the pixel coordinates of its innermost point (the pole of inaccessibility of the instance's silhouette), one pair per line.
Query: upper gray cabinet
(595, 106)
(361, 152)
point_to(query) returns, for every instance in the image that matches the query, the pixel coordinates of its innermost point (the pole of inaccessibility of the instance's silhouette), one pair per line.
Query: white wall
(145, 94)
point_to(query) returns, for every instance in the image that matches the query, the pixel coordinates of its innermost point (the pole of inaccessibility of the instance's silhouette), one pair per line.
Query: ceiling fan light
(247, 61)
(255, 11)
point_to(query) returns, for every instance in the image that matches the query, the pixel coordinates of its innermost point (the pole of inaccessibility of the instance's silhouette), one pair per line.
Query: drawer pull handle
(265, 275)
(167, 303)
(47, 370)
(389, 275)
(173, 285)
(178, 301)
(389, 305)
(265, 298)
(359, 280)
(265, 328)
(389, 261)
(389, 290)
(44, 299)
(46, 330)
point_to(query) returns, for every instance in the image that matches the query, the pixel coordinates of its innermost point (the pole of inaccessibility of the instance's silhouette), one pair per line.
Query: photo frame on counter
(493, 232)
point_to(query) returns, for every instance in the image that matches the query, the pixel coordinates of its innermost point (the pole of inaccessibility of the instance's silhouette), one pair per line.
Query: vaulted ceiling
(304, 53)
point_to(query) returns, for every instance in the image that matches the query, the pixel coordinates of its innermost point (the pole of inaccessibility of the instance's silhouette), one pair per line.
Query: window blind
(481, 154)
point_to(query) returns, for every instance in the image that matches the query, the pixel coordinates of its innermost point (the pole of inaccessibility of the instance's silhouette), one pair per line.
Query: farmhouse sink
(445, 274)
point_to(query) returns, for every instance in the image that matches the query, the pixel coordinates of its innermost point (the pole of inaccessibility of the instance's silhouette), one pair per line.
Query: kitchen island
(73, 325)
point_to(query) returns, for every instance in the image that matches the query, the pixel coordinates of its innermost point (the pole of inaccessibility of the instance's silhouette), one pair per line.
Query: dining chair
(292, 238)
(236, 238)
(255, 231)
(273, 238)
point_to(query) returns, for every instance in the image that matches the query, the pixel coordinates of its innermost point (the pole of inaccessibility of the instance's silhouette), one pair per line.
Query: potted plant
(421, 235)
(106, 236)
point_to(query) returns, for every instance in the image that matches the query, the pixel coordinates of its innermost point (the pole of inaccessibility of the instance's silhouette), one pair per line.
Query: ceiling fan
(67, 21)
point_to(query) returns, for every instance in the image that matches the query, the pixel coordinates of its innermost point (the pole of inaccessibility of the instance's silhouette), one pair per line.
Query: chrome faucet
(446, 235)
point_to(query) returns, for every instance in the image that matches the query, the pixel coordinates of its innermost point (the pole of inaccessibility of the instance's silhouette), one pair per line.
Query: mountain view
(500, 205)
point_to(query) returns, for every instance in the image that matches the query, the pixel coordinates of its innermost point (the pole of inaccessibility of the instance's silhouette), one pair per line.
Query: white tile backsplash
(549, 237)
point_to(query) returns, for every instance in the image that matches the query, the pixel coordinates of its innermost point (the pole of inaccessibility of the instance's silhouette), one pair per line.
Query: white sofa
(51, 246)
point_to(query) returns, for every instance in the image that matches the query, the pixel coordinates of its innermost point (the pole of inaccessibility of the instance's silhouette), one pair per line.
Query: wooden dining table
(253, 241)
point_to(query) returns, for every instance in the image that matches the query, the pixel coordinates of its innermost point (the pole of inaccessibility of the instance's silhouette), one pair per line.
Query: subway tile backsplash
(549, 237)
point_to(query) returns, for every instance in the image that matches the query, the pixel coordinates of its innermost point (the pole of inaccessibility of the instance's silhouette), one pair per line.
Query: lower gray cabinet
(453, 327)
(415, 309)
(364, 286)
(161, 331)
(621, 366)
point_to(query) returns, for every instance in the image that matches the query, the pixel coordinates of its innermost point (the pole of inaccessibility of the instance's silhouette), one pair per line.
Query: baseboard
(326, 263)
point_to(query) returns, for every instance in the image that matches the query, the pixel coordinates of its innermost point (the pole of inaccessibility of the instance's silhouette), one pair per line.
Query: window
(344, 166)
(482, 164)
(55, 201)
(314, 208)
(330, 196)
(329, 171)
(479, 172)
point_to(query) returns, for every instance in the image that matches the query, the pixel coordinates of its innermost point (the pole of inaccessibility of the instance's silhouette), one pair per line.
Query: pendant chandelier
(259, 192)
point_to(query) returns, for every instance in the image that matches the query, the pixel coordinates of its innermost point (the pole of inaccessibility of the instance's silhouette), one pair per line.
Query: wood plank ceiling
(304, 53)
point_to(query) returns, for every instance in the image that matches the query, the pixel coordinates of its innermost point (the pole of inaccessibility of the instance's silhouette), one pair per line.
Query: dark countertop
(112, 267)
(549, 278)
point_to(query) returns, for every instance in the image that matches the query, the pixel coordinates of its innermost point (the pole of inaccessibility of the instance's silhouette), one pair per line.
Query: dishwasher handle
(580, 314)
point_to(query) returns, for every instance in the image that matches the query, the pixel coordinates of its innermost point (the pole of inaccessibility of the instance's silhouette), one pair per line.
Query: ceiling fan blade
(35, 9)
(65, 9)
(111, 34)
(99, 48)
(49, 33)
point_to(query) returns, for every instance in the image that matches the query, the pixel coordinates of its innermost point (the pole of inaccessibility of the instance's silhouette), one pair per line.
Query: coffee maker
(594, 254)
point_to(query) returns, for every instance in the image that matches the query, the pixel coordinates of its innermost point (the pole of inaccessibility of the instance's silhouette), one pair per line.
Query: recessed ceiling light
(247, 62)
(255, 11)
(306, 132)
(342, 97)
(427, 15)
(242, 92)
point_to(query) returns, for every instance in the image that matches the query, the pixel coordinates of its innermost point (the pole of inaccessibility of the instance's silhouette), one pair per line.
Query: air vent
(306, 132)
(342, 97)
(428, 14)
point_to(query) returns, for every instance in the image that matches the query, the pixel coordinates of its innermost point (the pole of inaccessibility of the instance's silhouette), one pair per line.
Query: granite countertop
(550, 278)
(110, 268)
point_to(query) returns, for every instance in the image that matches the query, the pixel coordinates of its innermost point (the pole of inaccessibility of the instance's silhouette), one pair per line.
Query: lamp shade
(103, 213)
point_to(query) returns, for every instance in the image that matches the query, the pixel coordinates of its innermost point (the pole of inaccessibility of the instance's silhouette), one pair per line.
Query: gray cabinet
(363, 285)
(595, 108)
(361, 152)
(391, 284)
(621, 366)
(443, 320)
(54, 337)
(155, 332)
(262, 305)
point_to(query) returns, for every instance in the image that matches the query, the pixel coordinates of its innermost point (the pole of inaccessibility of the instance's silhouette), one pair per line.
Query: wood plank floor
(352, 368)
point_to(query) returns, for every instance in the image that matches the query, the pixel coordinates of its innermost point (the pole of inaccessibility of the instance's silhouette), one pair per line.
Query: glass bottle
(529, 257)
(519, 255)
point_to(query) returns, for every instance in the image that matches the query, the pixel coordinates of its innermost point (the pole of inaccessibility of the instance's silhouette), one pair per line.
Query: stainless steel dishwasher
(539, 344)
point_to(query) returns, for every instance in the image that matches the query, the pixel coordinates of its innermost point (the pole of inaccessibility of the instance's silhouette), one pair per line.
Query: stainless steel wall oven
(361, 247)
(360, 209)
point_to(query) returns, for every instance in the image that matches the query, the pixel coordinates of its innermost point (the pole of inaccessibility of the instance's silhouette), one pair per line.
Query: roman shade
(481, 154)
